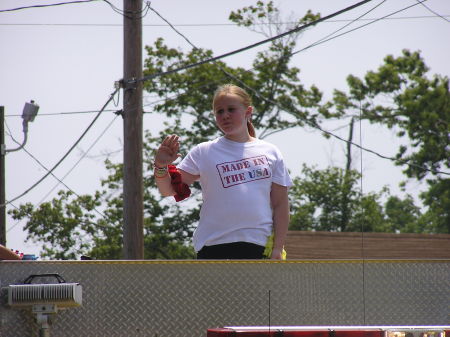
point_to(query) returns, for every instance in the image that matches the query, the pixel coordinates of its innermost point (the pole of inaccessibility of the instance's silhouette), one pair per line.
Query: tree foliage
(437, 198)
(401, 96)
(317, 198)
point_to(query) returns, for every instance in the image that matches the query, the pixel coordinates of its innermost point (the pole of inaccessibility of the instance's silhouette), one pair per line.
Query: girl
(244, 184)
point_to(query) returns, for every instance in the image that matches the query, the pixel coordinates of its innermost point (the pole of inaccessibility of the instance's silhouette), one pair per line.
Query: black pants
(234, 250)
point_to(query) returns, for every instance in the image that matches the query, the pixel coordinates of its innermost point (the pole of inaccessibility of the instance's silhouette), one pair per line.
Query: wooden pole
(133, 231)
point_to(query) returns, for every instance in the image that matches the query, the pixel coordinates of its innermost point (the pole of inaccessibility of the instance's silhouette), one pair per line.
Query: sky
(67, 58)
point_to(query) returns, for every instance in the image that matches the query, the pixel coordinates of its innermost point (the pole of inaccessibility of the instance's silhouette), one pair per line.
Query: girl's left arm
(280, 205)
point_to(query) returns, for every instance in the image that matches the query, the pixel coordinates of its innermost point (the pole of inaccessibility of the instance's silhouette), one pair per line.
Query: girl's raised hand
(167, 152)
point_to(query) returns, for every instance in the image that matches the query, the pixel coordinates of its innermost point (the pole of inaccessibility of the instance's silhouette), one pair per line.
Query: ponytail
(251, 128)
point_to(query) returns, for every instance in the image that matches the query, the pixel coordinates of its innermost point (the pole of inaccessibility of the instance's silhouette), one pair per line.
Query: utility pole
(2, 178)
(133, 209)
(30, 111)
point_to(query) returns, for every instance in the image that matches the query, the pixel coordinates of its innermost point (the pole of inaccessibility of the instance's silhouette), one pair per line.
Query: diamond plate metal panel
(185, 298)
(410, 293)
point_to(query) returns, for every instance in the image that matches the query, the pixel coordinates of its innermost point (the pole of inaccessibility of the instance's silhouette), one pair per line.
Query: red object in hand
(183, 191)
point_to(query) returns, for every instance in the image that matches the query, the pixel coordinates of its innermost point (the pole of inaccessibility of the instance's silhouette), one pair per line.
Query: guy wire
(269, 312)
(362, 217)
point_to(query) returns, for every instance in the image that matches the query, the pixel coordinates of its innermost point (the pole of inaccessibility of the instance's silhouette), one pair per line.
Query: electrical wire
(312, 45)
(172, 26)
(207, 24)
(67, 153)
(37, 161)
(326, 38)
(76, 164)
(401, 161)
(17, 222)
(363, 255)
(49, 5)
(9, 133)
(105, 154)
(13, 226)
(128, 14)
(356, 28)
(297, 29)
(432, 11)
(67, 113)
(78, 161)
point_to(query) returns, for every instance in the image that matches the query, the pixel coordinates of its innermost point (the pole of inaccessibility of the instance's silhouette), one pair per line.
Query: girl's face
(231, 117)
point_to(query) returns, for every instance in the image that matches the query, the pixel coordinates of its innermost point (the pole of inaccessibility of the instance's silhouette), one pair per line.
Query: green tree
(64, 225)
(437, 199)
(316, 200)
(401, 96)
(317, 197)
(402, 215)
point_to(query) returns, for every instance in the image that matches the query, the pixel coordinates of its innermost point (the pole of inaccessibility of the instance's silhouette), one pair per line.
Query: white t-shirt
(236, 181)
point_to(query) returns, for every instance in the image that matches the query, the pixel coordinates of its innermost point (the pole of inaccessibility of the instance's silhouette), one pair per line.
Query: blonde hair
(231, 89)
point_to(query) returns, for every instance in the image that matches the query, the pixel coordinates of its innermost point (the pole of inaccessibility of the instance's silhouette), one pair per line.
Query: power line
(268, 40)
(67, 113)
(323, 40)
(216, 24)
(432, 11)
(78, 161)
(42, 165)
(343, 27)
(172, 26)
(49, 5)
(297, 29)
(37, 161)
(68, 152)
(13, 226)
(17, 222)
(149, 77)
(128, 14)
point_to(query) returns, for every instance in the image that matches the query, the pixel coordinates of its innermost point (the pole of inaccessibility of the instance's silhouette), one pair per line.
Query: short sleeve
(280, 172)
(191, 162)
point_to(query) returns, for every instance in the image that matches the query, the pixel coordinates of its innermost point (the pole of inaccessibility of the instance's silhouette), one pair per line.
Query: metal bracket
(130, 84)
(44, 309)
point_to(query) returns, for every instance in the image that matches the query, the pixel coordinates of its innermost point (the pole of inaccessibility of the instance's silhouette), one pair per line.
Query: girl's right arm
(165, 183)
